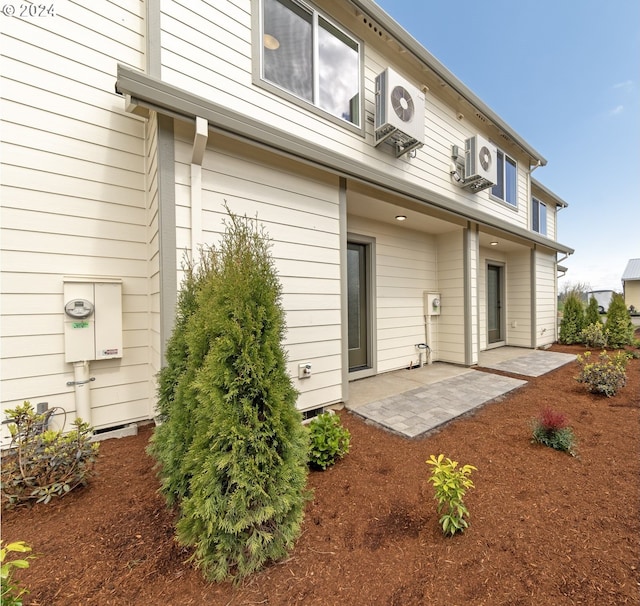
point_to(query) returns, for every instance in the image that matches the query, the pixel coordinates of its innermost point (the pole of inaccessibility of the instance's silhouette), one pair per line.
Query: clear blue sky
(565, 75)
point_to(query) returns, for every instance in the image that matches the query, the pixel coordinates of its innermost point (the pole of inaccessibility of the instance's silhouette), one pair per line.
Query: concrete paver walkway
(438, 393)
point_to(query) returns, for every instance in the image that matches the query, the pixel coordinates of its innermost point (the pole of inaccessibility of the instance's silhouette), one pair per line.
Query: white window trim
(540, 223)
(513, 206)
(257, 51)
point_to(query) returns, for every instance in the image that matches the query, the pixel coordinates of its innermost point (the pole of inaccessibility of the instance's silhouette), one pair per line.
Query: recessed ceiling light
(270, 42)
(401, 217)
(493, 243)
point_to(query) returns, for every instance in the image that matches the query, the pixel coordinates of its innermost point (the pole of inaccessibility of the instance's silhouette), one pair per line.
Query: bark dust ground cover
(546, 528)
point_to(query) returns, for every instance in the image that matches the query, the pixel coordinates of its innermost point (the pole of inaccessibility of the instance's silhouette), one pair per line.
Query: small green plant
(329, 440)
(44, 463)
(606, 375)
(10, 591)
(451, 483)
(552, 429)
(593, 335)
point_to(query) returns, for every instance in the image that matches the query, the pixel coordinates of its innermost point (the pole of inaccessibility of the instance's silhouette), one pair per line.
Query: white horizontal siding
(73, 201)
(298, 207)
(518, 298)
(208, 52)
(405, 266)
(546, 298)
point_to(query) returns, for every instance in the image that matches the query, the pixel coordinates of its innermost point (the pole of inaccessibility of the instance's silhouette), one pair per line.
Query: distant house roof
(632, 272)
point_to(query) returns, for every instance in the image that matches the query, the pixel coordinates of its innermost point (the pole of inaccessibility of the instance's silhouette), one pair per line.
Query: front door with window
(495, 293)
(358, 307)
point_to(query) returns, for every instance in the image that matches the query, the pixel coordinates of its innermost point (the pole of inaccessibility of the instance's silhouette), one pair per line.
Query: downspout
(197, 155)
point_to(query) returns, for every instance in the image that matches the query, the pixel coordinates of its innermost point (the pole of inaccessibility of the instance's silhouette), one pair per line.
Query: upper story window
(506, 187)
(304, 54)
(539, 216)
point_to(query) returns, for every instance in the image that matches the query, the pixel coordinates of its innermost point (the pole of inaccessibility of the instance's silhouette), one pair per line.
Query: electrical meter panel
(92, 319)
(432, 303)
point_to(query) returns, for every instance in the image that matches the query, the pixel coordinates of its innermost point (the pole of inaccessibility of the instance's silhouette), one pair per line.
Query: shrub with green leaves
(10, 590)
(44, 463)
(572, 321)
(618, 327)
(593, 335)
(552, 429)
(606, 375)
(243, 473)
(592, 313)
(451, 483)
(328, 440)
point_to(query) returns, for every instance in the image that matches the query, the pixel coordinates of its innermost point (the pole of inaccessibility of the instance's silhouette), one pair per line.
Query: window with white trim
(539, 216)
(308, 56)
(506, 189)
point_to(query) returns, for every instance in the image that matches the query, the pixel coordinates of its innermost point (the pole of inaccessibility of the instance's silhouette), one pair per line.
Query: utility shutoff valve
(304, 370)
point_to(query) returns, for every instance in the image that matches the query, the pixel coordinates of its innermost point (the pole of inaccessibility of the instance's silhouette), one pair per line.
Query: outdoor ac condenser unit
(399, 112)
(480, 166)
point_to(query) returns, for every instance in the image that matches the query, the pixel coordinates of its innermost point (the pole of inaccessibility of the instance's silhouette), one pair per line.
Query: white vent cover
(399, 112)
(481, 167)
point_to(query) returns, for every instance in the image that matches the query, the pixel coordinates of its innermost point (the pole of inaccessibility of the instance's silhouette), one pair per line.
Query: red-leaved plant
(552, 429)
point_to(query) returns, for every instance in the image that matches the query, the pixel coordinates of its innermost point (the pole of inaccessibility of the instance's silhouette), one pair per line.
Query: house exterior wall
(546, 298)
(73, 202)
(405, 267)
(450, 322)
(91, 189)
(632, 293)
(299, 209)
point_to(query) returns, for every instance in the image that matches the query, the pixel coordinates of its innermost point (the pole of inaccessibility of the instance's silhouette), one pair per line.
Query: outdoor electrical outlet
(304, 370)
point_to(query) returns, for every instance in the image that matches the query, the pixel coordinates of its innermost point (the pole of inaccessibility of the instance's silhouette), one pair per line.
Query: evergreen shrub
(592, 313)
(244, 462)
(618, 327)
(329, 440)
(572, 321)
(606, 375)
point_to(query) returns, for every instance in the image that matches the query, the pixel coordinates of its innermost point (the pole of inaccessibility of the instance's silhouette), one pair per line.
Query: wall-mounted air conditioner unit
(480, 164)
(399, 112)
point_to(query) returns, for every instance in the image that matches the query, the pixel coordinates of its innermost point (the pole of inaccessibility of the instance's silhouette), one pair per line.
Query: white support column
(197, 155)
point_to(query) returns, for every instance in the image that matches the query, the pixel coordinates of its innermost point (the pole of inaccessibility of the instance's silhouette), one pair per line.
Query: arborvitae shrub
(592, 314)
(177, 401)
(572, 321)
(618, 328)
(247, 468)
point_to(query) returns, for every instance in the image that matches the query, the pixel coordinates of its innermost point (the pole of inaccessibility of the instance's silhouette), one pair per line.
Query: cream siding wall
(546, 298)
(450, 323)
(209, 53)
(632, 293)
(299, 208)
(405, 267)
(518, 299)
(73, 201)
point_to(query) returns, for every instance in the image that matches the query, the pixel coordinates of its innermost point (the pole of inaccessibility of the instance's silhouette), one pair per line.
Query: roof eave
(422, 54)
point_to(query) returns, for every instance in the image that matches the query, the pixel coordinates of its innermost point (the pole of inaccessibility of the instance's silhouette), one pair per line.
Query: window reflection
(288, 35)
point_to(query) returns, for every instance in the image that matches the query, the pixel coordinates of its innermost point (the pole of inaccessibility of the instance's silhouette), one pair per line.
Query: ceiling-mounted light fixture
(401, 217)
(494, 243)
(270, 42)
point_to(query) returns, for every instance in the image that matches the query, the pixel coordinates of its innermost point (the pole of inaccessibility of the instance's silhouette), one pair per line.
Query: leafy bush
(572, 321)
(329, 440)
(592, 313)
(606, 375)
(44, 463)
(451, 484)
(245, 467)
(618, 327)
(593, 335)
(552, 429)
(10, 591)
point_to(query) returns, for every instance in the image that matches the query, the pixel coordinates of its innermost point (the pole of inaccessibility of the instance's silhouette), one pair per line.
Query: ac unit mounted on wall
(480, 164)
(399, 112)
